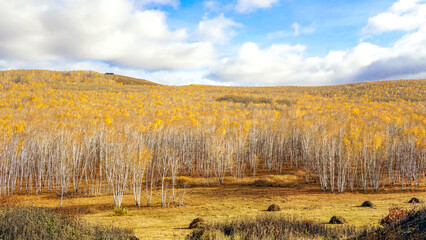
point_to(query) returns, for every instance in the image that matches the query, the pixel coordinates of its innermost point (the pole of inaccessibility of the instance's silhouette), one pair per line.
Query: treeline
(104, 160)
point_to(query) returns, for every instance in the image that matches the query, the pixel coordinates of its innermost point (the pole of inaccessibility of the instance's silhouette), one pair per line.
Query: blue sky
(241, 42)
(332, 24)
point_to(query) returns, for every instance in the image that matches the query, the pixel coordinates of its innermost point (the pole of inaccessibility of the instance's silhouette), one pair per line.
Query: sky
(231, 43)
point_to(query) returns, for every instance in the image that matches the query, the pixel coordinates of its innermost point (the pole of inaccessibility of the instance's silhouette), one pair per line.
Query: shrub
(120, 211)
(413, 226)
(414, 200)
(182, 181)
(44, 223)
(367, 204)
(198, 223)
(337, 220)
(274, 208)
(395, 216)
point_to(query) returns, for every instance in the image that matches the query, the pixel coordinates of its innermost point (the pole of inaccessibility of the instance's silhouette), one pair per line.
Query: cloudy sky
(240, 42)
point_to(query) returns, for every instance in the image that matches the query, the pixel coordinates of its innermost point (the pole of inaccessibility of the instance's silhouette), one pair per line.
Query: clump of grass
(337, 220)
(274, 208)
(198, 223)
(414, 200)
(120, 211)
(244, 99)
(367, 204)
(273, 227)
(44, 223)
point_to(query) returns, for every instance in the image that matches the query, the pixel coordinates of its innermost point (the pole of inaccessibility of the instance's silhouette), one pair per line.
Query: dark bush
(198, 223)
(367, 204)
(414, 200)
(44, 223)
(337, 220)
(274, 208)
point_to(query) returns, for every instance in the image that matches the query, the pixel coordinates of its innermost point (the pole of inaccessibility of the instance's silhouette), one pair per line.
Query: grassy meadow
(229, 201)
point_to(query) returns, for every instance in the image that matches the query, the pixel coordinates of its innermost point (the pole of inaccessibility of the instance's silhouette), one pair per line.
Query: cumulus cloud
(107, 30)
(283, 64)
(404, 15)
(218, 30)
(398, 67)
(286, 64)
(246, 6)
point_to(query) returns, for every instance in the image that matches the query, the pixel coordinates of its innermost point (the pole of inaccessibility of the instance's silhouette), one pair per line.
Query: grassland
(232, 200)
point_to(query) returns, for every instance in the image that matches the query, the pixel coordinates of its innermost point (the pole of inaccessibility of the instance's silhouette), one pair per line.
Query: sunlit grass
(229, 201)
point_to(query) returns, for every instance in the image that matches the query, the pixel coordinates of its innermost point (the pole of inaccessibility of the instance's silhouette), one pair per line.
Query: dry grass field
(232, 200)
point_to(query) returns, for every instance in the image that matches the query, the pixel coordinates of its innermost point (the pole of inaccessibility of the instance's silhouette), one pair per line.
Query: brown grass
(228, 201)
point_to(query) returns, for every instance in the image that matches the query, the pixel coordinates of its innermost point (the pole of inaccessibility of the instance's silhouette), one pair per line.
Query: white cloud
(107, 30)
(295, 27)
(246, 6)
(297, 30)
(282, 64)
(404, 15)
(218, 30)
(212, 5)
(173, 3)
(217, 6)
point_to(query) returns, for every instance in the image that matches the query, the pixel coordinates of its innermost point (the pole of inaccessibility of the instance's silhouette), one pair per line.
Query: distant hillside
(130, 80)
(28, 75)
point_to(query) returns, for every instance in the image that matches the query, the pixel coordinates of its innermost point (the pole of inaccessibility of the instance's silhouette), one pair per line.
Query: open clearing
(229, 201)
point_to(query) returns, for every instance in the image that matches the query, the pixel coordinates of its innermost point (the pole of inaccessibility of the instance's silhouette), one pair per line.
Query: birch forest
(88, 133)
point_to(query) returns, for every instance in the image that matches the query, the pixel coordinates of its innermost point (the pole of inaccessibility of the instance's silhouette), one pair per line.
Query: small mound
(367, 204)
(337, 220)
(274, 208)
(198, 223)
(414, 200)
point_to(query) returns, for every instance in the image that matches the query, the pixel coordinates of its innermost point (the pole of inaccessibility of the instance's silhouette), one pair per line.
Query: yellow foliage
(20, 127)
(108, 120)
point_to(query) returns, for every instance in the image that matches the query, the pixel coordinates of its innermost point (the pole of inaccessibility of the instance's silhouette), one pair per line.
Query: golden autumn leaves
(216, 131)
